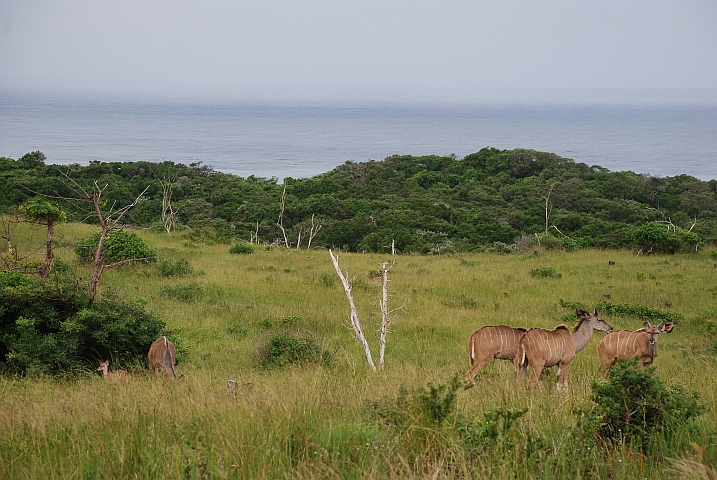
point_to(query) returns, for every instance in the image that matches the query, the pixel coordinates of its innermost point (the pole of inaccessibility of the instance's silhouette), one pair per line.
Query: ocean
(303, 140)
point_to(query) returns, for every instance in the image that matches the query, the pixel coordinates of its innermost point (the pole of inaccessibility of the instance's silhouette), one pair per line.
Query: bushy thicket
(51, 326)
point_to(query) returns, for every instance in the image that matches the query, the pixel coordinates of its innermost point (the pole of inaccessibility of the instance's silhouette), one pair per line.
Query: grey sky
(457, 51)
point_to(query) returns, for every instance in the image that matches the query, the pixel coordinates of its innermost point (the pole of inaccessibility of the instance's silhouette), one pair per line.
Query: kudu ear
(580, 312)
(667, 328)
(595, 312)
(647, 324)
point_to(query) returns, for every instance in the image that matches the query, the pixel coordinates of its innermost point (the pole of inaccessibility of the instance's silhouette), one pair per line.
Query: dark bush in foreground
(636, 407)
(51, 326)
(284, 349)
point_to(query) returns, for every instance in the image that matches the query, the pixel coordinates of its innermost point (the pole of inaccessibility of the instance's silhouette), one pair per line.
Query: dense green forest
(491, 200)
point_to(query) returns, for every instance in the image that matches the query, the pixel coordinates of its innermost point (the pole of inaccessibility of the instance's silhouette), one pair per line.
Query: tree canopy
(483, 201)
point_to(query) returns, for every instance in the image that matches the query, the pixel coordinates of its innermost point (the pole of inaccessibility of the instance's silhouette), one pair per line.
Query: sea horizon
(302, 139)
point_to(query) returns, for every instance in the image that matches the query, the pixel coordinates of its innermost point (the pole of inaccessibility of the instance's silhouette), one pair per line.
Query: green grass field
(312, 421)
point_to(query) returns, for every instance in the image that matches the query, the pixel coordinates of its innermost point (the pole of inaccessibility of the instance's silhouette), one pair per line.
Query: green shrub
(545, 272)
(241, 249)
(119, 245)
(180, 267)
(634, 406)
(284, 349)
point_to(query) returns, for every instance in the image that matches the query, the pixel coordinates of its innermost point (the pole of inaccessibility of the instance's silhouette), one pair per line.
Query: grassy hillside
(314, 421)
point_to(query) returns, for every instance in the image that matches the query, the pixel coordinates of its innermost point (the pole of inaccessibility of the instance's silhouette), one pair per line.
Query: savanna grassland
(319, 420)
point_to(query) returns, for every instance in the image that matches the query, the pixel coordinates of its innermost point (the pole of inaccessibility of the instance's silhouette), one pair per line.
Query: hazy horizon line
(362, 96)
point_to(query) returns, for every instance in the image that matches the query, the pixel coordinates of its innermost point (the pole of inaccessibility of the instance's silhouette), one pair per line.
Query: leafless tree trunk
(315, 227)
(280, 222)
(298, 240)
(354, 318)
(385, 318)
(548, 206)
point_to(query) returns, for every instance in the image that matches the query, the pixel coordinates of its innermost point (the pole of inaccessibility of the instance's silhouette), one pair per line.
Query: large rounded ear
(647, 324)
(580, 312)
(668, 327)
(595, 312)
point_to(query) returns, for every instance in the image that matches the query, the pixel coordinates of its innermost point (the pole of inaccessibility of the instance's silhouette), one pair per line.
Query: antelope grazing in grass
(641, 343)
(161, 357)
(116, 376)
(492, 342)
(542, 348)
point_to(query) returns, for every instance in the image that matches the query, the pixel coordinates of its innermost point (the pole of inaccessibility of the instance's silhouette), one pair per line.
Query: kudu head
(104, 367)
(594, 319)
(654, 332)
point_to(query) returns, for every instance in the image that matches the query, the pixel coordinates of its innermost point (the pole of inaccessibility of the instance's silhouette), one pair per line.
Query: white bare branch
(354, 318)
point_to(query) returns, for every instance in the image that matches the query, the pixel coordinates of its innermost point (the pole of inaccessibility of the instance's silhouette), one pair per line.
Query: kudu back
(118, 375)
(492, 342)
(541, 348)
(629, 344)
(162, 357)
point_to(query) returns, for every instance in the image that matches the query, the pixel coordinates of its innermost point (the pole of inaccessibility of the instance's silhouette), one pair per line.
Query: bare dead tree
(548, 205)
(315, 227)
(169, 216)
(353, 318)
(108, 222)
(298, 240)
(280, 221)
(385, 313)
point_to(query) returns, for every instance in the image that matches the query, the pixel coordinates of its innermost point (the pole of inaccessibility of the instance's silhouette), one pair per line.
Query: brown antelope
(641, 343)
(116, 376)
(492, 342)
(161, 357)
(542, 348)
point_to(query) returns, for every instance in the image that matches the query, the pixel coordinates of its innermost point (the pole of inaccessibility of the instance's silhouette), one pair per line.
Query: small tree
(43, 212)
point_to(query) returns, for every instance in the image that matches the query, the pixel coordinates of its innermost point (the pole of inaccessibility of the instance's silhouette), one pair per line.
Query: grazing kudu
(116, 376)
(542, 348)
(492, 342)
(161, 357)
(641, 343)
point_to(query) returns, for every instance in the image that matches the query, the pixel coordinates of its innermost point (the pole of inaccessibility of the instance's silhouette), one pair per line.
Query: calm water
(302, 141)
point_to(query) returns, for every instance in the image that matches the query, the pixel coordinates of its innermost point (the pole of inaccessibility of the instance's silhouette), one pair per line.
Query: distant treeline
(492, 200)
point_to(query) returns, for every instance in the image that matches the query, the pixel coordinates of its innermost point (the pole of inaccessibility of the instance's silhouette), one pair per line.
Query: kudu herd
(540, 349)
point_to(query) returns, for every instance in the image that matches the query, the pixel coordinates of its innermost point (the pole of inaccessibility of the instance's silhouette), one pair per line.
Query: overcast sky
(431, 51)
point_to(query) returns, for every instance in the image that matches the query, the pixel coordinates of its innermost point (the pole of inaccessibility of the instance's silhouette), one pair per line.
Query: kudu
(641, 343)
(492, 342)
(116, 376)
(161, 357)
(541, 348)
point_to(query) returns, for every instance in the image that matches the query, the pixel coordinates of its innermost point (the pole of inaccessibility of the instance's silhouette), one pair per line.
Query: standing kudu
(542, 348)
(492, 342)
(162, 357)
(627, 344)
(116, 376)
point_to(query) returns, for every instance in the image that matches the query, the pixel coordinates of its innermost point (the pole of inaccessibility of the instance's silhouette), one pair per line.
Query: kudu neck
(582, 335)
